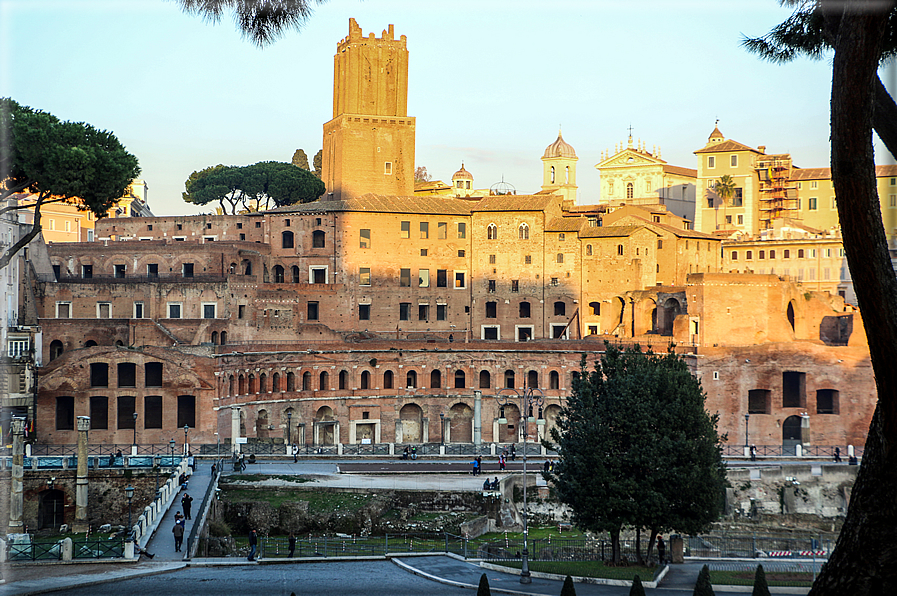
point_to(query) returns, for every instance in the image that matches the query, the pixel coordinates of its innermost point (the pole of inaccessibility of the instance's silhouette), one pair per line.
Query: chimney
(762, 149)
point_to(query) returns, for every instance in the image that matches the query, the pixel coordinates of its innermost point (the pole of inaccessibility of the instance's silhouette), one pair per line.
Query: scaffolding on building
(778, 193)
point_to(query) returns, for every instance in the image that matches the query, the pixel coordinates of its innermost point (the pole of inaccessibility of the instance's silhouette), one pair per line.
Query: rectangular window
(187, 269)
(104, 310)
(424, 230)
(490, 332)
(186, 411)
(749, 255)
(152, 270)
(491, 287)
(364, 238)
(492, 259)
(258, 224)
(119, 271)
(313, 311)
(126, 407)
(440, 312)
(786, 254)
(738, 198)
(364, 312)
(811, 204)
(462, 229)
(515, 285)
(794, 389)
(405, 278)
(87, 270)
(152, 411)
(242, 236)
(892, 201)
(364, 276)
(318, 275)
(127, 374)
(462, 254)
(814, 184)
(772, 254)
(491, 310)
(65, 413)
(759, 401)
(528, 260)
(57, 271)
(174, 310)
(740, 220)
(423, 312)
(728, 219)
(387, 168)
(710, 202)
(711, 162)
(734, 255)
(404, 311)
(441, 278)
(423, 252)
(405, 229)
(442, 230)
(99, 413)
(460, 279)
(152, 372)
(241, 311)
(209, 310)
(554, 281)
(423, 278)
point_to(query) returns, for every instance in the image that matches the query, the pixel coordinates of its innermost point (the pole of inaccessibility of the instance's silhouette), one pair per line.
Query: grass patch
(585, 569)
(263, 477)
(318, 501)
(773, 578)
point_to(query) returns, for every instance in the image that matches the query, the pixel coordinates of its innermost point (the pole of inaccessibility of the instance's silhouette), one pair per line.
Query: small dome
(462, 174)
(559, 148)
(716, 134)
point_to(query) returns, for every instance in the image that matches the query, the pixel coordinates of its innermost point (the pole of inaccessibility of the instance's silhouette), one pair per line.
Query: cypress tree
(484, 590)
(703, 586)
(568, 589)
(760, 587)
(637, 589)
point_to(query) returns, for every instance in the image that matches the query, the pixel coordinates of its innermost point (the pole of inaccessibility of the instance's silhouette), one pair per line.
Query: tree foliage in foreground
(58, 161)
(703, 587)
(760, 586)
(260, 21)
(263, 185)
(636, 448)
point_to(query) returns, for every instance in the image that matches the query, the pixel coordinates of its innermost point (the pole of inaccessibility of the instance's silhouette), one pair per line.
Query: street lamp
(747, 418)
(129, 492)
(171, 451)
(135, 429)
(442, 428)
(289, 428)
(529, 399)
(186, 428)
(217, 447)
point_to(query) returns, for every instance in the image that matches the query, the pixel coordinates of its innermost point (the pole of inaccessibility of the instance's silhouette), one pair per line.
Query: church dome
(560, 148)
(462, 174)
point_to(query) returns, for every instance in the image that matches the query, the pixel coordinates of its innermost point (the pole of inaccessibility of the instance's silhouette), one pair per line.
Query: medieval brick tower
(369, 144)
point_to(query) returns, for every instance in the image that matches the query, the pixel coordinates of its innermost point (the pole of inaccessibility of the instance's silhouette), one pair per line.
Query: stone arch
(286, 239)
(247, 267)
(554, 380)
(291, 381)
(326, 431)
(460, 425)
(551, 414)
(215, 337)
(460, 379)
(306, 381)
(261, 424)
(615, 313)
(56, 349)
(250, 386)
(275, 383)
(791, 434)
(263, 383)
(510, 379)
(277, 272)
(90, 343)
(388, 377)
(365, 380)
(324, 381)
(435, 379)
(508, 433)
(670, 309)
(294, 273)
(532, 379)
(224, 338)
(241, 385)
(411, 417)
(230, 385)
(343, 379)
(318, 239)
(411, 379)
(485, 379)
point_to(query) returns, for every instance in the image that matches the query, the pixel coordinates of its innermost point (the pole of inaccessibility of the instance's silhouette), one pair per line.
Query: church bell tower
(369, 143)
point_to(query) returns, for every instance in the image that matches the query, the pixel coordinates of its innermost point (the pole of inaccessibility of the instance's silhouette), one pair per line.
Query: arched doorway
(51, 510)
(261, 424)
(790, 314)
(791, 435)
(460, 426)
(671, 309)
(508, 433)
(551, 419)
(411, 418)
(326, 424)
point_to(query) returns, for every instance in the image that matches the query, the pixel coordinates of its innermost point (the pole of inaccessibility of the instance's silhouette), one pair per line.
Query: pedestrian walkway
(50, 583)
(161, 543)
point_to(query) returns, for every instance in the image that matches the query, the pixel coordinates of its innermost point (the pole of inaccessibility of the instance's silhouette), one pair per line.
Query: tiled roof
(681, 233)
(826, 173)
(610, 231)
(385, 204)
(729, 145)
(564, 224)
(668, 169)
(514, 203)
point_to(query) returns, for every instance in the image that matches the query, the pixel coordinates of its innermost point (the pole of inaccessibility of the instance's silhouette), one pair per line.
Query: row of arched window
(522, 232)
(318, 239)
(524, 309)
(250, 384)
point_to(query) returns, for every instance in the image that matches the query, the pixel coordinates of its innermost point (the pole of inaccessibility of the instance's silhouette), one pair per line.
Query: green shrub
(702, 586)
(219, 528)
(484, 590)
(760, 587)
(568, 589)
(637, 589)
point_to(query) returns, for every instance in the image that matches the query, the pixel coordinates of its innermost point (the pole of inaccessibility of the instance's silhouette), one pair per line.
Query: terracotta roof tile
(515, 203)
(729, 145)
(610, 231)
(385, 204)
(565, 224)
(668, 169)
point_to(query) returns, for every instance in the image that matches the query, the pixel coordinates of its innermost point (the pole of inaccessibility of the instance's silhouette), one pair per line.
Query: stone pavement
(161, 543)
(79, 576)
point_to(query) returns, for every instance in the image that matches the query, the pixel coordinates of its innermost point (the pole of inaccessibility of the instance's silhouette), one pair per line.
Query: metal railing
(34, 551)
(204, 505)
(760, 546)
(336, 546)
(96, 548)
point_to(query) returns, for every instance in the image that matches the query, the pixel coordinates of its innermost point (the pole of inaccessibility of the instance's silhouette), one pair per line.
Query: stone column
(477, 417)
(235, 429)
(80, 524)
(16, 500)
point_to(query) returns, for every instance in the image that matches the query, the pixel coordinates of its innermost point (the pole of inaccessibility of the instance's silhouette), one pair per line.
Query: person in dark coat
(178, 531)
(187, 504)
(661, 549)
(292, 545)
(253, 544)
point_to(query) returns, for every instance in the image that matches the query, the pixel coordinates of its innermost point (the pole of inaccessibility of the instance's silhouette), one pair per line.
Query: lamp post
(217, 447)
(135, 432)
(747, 418)
(289, 428)
(186, 428)
(528, 399)
(441, 429)
(129, 492)
(171, 451)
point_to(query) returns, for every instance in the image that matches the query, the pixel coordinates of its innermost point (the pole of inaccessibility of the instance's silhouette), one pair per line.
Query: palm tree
(725, 187)
(260, 21)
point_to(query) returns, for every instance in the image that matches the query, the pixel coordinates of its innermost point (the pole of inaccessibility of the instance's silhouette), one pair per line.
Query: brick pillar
(235, 429)
(477, 417)
(16, 500)
(80, 524)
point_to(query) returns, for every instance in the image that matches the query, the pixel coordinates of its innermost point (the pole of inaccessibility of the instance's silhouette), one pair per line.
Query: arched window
(247, 268)
(263, 383)
(629, 190)
(588, 250)
(532, 379)
(560, 257)
(523, 231)
(365, 380)
(551, 175)
(509, 379)
(317, 239)
(560, 308)
(90, 343)
(790, 314)
(343, 379)
(278, 274)
(610, 187)
(286, 239)
(485, 379)
(387, 379)
(215, 337)
(275, 382)
(567, 175)
(56, 349)
(224, 338)
(411, 379)
(492, 232)
(460, 379)
(324, 381)
(306, 381)
(435, 379)
(291, 381)
(250, 387)
(554, 380)
(241, 385)
(295, 271)
(525, 310)
(596, 308)
(230, 385)
(648, 185)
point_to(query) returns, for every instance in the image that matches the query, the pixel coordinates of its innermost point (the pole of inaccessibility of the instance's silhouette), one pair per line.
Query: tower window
(387, 168)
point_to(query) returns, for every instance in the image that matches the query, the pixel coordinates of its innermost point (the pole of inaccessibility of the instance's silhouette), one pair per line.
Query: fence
(53, 550)
(203, 510)
(53, 462)
(760, 546)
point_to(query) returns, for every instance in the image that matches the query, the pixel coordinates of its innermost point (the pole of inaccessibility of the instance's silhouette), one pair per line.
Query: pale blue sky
(490, 81)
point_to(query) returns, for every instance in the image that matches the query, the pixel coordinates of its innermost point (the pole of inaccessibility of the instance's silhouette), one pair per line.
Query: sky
(490, 82)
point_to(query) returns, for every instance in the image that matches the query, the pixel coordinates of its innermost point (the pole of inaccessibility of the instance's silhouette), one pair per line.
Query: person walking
(837, 455)
(187, 504)
(479, 467)
(513, 452)
(753, 453)
(292, 545)
(661, 549)
(178, 531)
(253, 543)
